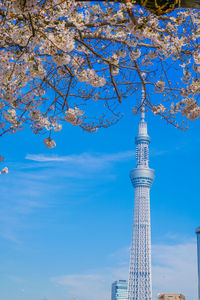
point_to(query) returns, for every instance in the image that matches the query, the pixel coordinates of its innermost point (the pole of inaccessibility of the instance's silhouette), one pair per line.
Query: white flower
(191, 109)
(73, 116)
(5, 171)
(35, 115)
(160, 85)
(159, 109)
(135, 54)
(49, 143)
(57, 127)
(61, 59)
(38, 71)
(12, 112)
(19, 6)
(196, 57)
(10, 116)
(90, 76)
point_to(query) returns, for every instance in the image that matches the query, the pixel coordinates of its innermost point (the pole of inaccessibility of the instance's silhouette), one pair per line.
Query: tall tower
(139, 285)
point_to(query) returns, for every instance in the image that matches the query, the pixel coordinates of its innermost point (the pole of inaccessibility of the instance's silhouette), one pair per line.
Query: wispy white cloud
(174, 271)
(83, 286)
(92, 285)
(32, 185)
(85, 160)
(88, 161)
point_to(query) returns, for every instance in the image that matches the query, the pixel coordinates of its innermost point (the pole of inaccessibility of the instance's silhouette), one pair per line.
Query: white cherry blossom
(49, 143)
(66, 61)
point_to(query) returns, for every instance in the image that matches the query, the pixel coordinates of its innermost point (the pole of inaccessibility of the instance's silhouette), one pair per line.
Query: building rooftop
(198, 230)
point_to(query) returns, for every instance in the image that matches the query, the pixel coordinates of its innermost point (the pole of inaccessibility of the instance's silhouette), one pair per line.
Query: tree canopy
(66, 61)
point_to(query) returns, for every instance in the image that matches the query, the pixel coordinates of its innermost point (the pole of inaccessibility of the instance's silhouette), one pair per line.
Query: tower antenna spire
(143, 100)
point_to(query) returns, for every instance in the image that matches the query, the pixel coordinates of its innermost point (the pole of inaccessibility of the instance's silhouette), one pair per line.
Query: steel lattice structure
(139, 285)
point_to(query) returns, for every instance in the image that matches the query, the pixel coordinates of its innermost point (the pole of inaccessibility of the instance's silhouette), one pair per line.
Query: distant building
(119, 290)
(170, 297)
(198, 254)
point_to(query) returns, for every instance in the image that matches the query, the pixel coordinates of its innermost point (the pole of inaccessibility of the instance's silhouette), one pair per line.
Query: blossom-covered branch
(75, 62)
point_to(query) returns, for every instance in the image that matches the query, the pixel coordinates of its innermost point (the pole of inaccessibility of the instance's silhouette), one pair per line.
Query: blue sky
(66, 213)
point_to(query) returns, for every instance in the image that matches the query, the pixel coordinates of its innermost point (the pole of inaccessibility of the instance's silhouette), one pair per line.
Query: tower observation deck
(139, 284)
